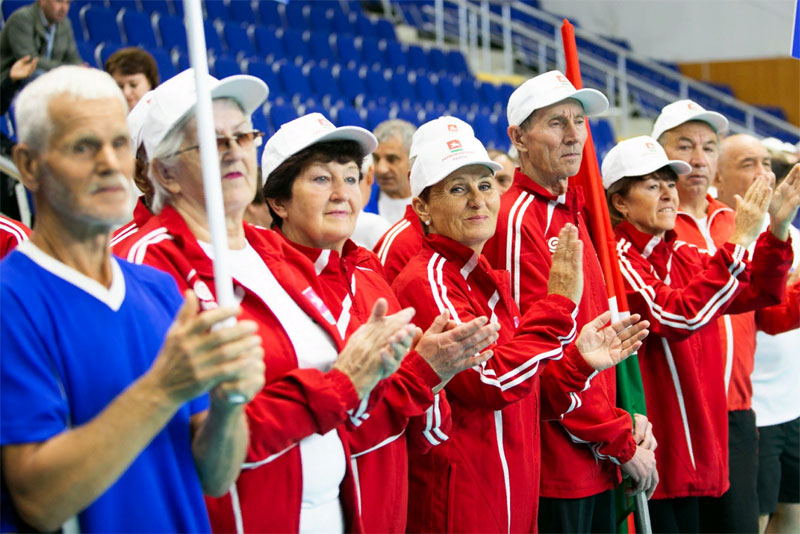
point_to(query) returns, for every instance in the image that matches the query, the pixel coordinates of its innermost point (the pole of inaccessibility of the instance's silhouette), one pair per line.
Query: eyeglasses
(244, 140)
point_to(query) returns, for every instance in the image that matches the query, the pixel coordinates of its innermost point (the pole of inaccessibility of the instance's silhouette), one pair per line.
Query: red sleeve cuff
(417, 365)
(344, 387)
(573, 356)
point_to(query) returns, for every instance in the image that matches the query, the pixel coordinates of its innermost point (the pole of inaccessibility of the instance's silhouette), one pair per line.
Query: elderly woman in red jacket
(312, 173)
(681, 290)
(484, 477)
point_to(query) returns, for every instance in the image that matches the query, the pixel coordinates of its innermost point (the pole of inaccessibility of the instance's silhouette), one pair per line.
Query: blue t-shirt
(68, 347)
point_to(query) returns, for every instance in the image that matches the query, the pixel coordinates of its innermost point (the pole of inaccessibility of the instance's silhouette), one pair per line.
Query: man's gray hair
(164, 153)
(32, 107)
(398, 128)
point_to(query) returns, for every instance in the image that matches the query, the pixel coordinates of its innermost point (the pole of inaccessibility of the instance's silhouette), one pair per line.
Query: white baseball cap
(444, 154)
(675, 114)
(172, 100)
(305, 131)
(445, 125)
(636, 157)
(137, 118)
(550, 88)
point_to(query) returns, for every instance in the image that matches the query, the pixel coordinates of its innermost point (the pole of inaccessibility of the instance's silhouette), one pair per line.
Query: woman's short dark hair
(279, 183)
(623, 186)
(133, 60)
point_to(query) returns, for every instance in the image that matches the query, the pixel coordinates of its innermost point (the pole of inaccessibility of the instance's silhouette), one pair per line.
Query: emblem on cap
(454, 145)
(452, 127)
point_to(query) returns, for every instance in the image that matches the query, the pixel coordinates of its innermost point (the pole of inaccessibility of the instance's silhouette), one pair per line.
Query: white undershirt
(322, 456)
(392, 209)
(702, 225)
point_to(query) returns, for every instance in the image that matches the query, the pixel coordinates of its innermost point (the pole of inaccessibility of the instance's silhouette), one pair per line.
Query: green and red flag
(630, 391)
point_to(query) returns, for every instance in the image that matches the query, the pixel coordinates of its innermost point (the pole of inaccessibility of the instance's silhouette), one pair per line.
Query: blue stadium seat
(224, 67)
(166, 69)
(351, 83)
(213, 41)
(305, 109)
(456, 63)
(341, 23)
(101, 24)
(104, 51)
(177, 8)
(261, 124)
(364, 26)
(371, 54)
(375, 116)
(280, 114)
(116, 5)
(603, 137)
(347, 116)
(86, 51)
(268, 13)
(137, 29)
(385, 30)
(417, 59)
(156, 6)
(320, 43)
(181, 60)
(320, 18)
(468, 89)
(294, 14)
(74, 14)
(216, 10)
(402, 89)
(447, 89)
(9, 6)
(294, 81)
(437, 60)
(489, 94)
(267, 43)
(323, 83)
(295, 46)
(408, 114)
(172, 32)
(378, 87)
(264, 72)
(396, 56)
(347, 51)
(242, 11)
(237, 40)
(485, 128)
(426, 91)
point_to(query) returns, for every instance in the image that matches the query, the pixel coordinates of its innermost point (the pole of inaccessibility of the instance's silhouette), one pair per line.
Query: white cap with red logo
(637, 156)
(675, 114)
(432, 129)
(445, 153)
(547, 89)
(305, 131)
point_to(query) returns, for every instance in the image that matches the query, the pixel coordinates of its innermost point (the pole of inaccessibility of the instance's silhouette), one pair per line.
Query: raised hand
(784, 204)
(606, 347)
(566, 269)
(750, 211)
(449, 348)
(375, 350)
(199, 355)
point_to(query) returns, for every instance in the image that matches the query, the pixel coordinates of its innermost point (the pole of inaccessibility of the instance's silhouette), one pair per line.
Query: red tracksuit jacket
(294, 403)
(12, 233)
(528, 224)
(378, 444)
(399, 244)
(141, 214)
(682, 290)
(485, 477)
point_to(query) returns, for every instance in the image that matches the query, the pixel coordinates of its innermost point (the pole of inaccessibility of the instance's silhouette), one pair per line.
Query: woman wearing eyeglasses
(296, 477)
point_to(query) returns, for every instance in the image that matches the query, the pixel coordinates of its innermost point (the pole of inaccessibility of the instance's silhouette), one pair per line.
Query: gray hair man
(105, 368)
(391, 160)
(547, 125)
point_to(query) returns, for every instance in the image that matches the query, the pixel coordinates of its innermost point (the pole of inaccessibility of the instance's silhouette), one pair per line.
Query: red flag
(630, 391)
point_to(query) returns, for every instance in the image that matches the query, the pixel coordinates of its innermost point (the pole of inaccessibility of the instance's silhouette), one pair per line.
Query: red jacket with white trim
(141, 214)
(378, 444)
(399, 244)
(12, 233)
(737, 332)
(682, 290)
(484, 478)
(528, 224)
(294, 403)
(784, 316)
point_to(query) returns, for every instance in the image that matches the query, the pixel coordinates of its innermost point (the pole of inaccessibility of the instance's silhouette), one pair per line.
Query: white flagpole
(209, 159)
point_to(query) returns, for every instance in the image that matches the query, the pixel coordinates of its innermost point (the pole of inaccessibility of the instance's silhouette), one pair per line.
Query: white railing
(521, 40)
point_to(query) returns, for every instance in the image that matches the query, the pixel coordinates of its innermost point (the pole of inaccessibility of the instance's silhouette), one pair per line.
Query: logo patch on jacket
(318, 304)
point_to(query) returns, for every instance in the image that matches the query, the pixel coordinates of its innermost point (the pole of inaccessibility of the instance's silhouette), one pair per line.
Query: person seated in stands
(370, 227)
(40, 30)
(505, 176)
(391, 160)
(114, 389)
(135, 72)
